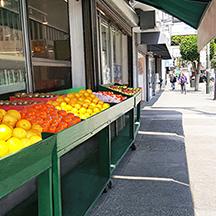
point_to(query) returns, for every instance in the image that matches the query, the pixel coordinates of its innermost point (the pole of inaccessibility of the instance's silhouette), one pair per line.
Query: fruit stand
(86, 154)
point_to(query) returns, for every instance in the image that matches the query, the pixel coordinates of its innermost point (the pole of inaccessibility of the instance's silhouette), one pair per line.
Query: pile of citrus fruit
(83, 104)
(16, 132)
(50, 119)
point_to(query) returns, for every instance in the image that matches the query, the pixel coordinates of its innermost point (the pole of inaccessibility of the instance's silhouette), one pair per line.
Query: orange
(96, 100)
(14, 113)
(1, 116)
(67, 99)
(9, 120)
(4, 150)
(14, 144)
(35, 139)
(3, 112)
(5, 132)
(85, 105)
(101, 102)
(37, 127)
(19, 133)
(23, 123)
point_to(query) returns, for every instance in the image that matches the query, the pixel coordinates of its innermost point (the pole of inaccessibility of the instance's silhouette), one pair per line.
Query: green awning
(188, 11)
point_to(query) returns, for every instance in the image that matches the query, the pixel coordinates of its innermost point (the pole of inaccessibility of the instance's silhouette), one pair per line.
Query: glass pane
(117, 56)
(50, 42)
(12, 61)
(51, 78)
(105, 62)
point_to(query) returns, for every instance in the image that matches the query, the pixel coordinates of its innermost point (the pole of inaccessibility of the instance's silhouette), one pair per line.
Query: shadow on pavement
(154, 179)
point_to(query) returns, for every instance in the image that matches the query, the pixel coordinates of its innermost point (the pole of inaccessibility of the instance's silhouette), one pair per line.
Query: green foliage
(212, 49)
(188, 48)
(213, 62)
(176, 39)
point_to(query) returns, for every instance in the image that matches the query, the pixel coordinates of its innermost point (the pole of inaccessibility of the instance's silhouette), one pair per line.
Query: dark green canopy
(188, 11)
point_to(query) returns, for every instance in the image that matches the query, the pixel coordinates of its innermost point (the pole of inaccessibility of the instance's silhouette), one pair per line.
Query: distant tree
(212, 49)
(189, 53)
(176, 40)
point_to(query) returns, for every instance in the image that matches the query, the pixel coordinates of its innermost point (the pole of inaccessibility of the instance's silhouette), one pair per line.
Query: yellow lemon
(34, 139)
(19, 133)
(3, 148)
(106, 105)
(5, 132)
(82, 110)
(14, 144)
(25, 142)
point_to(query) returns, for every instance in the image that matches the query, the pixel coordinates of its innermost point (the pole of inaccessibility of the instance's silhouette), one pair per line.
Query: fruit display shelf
(34, 161)
(75, 136)
(137, 96)
(87, 128)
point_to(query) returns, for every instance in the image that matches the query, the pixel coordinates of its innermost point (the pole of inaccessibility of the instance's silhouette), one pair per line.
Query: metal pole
(208, 72)
(27, 47)
(214, 84)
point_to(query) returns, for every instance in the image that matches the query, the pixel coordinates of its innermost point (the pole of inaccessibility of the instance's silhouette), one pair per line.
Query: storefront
(35, 46)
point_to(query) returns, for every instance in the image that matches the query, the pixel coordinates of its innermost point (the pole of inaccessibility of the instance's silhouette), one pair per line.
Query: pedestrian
(172, 81)
(182, 81)
(160, 82)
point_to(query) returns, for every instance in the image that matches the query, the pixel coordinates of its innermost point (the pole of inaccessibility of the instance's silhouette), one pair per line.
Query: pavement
(173, 170)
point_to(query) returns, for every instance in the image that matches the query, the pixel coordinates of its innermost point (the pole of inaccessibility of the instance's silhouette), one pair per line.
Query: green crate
(73, 136)
(67, 91)
(30, 162)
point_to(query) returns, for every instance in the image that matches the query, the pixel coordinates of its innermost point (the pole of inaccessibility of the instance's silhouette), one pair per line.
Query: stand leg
(57, 187)
(45, 205)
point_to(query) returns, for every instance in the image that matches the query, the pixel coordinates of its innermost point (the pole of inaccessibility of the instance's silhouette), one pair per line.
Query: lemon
(3, 148)
(19, 133)
(25, 142)
(34, 139)
(82, 110)
(14, 144)
(5, 132)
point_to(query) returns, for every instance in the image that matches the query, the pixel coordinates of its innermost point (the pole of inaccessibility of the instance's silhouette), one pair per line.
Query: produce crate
(33, 161)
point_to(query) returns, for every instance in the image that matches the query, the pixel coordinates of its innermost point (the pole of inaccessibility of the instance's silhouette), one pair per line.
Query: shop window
(113, 61)
(50, 43)
(12, 60)
(105, 56)
(117, 56)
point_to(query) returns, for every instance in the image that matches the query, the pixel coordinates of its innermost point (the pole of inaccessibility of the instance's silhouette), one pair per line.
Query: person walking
(172, 81)
(182, 81)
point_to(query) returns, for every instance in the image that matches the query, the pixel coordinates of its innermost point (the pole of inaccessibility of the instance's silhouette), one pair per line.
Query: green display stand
(30, 162)
(74, 192)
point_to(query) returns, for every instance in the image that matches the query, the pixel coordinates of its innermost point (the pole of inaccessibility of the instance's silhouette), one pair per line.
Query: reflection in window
(12, 61)
(50, 42)
(105, 62)
(117, 56)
